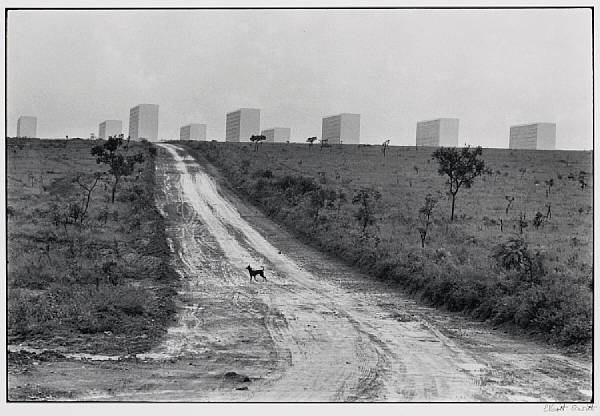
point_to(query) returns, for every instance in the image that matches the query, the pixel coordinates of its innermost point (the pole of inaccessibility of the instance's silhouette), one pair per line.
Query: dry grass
(456, 268)
(93, 285)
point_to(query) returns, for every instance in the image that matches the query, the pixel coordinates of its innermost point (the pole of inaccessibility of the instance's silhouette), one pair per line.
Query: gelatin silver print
(298, 205)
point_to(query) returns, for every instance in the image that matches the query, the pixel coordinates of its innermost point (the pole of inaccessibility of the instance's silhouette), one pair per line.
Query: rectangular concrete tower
(27, 126)
(438, 132)
(539, 136)
(193, 132)
(143, 122)
(110, 128)
(242, 124)
(277, 134)
(342, 128)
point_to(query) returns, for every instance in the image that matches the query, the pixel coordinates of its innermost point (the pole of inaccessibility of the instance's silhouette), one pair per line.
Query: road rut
(329, 343)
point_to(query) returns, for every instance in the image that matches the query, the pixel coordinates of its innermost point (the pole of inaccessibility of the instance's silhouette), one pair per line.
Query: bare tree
(88, 189)
(510, 200)
(548, 211)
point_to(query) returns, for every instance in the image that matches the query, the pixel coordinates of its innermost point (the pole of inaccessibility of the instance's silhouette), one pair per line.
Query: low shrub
(512, 285)
(69, 278)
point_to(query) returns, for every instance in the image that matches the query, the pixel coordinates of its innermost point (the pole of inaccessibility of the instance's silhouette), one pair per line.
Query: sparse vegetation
(119, 164)
(582, 179)
(425, 217)
(85, 273)
(454, 268)
(461, 167)
(366, 199)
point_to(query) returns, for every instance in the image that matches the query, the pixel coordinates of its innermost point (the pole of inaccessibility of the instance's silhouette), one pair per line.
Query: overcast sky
(489, 68)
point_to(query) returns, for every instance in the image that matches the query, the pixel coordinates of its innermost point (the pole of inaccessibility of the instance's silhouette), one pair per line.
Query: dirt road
(315, 330)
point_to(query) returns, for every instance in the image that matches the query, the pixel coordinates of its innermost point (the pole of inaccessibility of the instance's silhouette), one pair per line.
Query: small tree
(88, 189)
(256, 139)
(548, 211)
(510, 200)
(324, 143)
(523, 172)
(366, 198)
(522, 223)
(320, 199)
(516, 255)
(549, 184)
(341, 197)
(582, 178)
(311, 140)
(119, 164)
(384, 146)
(538, 220)
(461, 167)
(425, 217)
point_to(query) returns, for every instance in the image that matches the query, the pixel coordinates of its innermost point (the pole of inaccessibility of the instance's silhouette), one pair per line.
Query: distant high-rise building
(27, 126)
(540, 136)
(193, 132)
(439, 132)
(277, 134)
(110, 128)
(143, 122)
(341, 128)
(242, 124)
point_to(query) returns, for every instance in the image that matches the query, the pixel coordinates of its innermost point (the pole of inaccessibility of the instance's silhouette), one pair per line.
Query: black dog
(253, 273)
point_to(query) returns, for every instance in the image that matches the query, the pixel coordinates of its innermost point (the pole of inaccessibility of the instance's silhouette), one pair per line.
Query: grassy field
(310, 190)
(98, 284)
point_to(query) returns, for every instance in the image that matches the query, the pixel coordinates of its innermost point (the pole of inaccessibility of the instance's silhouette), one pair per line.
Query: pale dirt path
(317, 330)
(335, 344)
(339, 350)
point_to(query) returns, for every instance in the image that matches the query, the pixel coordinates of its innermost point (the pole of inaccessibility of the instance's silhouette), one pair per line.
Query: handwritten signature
(569, 408)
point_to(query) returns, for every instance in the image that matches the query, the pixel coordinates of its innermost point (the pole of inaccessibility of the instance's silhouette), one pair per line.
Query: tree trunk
(114, 189)
(87, 204)
(452, 214)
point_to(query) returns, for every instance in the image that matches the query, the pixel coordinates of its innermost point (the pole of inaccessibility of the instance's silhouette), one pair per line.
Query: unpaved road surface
(315, 330)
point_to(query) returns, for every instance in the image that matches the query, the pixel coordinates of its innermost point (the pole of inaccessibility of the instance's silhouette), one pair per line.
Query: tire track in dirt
(338, 351)
(317, 330)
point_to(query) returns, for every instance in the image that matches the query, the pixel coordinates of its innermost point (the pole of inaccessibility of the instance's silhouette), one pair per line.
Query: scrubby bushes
(509, 285)
(118, 309)
(80, 276)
